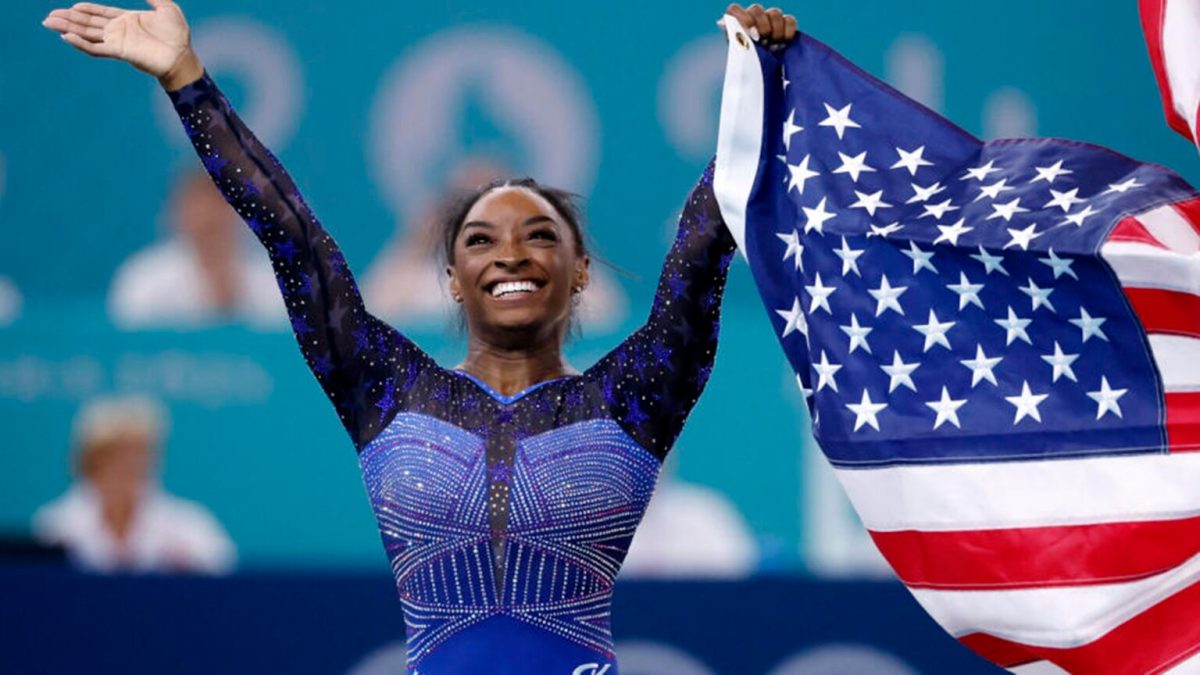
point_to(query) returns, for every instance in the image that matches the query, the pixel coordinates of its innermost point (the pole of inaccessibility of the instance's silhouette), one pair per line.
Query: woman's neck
(509, 371)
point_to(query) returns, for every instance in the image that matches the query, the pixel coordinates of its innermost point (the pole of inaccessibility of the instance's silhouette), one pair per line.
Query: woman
(508, 488)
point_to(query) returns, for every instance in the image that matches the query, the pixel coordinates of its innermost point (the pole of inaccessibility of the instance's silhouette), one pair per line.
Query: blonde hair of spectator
(105, 421)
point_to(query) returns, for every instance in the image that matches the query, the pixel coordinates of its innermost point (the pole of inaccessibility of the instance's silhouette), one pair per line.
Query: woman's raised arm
(364, 365)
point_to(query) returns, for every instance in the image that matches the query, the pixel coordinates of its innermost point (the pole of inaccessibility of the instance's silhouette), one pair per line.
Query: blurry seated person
(116, 517)
(203, 274)
(407, 281)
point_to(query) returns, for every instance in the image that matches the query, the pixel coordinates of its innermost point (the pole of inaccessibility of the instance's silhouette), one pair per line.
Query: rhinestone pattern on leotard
(520, 506)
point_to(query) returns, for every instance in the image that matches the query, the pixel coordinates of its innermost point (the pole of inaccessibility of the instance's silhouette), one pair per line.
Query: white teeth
(506, 287)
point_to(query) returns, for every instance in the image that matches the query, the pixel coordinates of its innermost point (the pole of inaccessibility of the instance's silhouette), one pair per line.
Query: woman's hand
(156, 41)
(769, 26)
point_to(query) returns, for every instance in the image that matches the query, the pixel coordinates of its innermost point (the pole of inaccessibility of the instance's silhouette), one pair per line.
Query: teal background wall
(87, 154)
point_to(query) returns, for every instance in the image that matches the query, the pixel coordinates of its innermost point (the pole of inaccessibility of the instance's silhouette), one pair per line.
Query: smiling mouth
(509, 290)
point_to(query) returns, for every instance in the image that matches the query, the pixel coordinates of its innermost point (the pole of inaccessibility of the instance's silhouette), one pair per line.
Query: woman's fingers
(61, 25)
(761, 22)
(777, 27)
(98, 10)
(790, 27)
(742, 16)
(91, 48)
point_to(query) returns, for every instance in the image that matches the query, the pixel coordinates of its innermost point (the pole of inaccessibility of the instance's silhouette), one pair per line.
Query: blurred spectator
(116, 517)
(690, 532)
(10, 302)
(205, 272)
(407, 281)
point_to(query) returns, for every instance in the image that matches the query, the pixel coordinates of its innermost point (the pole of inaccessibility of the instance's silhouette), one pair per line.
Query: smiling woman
(507, 490)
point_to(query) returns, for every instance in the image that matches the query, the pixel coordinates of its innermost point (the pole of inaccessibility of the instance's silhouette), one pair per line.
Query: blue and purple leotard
(505, 518)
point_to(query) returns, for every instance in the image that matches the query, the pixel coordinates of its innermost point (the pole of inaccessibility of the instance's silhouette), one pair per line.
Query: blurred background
(146, 366)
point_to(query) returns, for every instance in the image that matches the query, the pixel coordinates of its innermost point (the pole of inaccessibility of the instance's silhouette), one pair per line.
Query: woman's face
(516, 263)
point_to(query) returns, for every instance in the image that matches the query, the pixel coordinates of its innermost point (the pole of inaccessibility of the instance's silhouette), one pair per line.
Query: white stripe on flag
(1145, 266)
(1061, 617)
(995, 495)
(1190, 666)
(1038, 668)
(1178, 360)
(739, 140)
(1171, 228)
(1181, 34)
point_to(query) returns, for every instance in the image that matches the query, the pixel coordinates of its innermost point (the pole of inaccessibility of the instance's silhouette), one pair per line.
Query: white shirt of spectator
(168, 535)
(162, 286)
(690, 531)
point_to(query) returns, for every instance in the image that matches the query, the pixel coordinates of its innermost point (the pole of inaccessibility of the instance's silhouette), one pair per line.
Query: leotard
(505, 518)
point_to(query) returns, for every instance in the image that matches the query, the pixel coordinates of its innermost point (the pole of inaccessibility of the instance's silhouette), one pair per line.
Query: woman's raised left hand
(768, 26)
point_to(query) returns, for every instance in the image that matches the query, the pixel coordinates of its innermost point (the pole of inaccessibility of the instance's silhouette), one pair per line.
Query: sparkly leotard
(505, 518)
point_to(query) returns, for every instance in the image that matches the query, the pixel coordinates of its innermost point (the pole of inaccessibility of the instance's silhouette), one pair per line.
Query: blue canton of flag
(999, 344)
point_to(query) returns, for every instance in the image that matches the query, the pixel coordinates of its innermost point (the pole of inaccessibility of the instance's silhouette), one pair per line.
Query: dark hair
(564, 202)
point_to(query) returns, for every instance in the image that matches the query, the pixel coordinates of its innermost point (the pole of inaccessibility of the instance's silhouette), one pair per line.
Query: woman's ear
(582, 273)
(455, 288)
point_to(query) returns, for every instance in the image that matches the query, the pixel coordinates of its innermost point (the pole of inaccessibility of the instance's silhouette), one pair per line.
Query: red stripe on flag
(1190, 210)
(1151, 642)
(1163, 311)
(1183, 421)
(1153, 13)
(1066, 555)
(1132, 230)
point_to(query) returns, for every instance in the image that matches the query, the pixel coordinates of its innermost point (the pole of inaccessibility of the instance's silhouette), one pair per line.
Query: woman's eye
(475, 239)
(547, 235)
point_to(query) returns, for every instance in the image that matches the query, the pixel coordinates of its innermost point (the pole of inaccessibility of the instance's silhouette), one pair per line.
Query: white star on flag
(1122, 187)
(981, 367)
(1026, 404)
(855, 166)
(1050, 173)
(799, 175)
(826, 372)
(951, 233)
(921, 259)
(993, 191)
(1022, 237)
(991, 263)
(1060, 266)
(923, 194)
(968, 293)
(946, 409)
(938, 210)
(815, 218)
(794, 248)
(839, 120)
(911, 160)
(900, 373)
(865, 412)
(1007, 210)
(820, 295)
(934, 331)
(857, 334)
(1038, 296)
(1064, 200)
(794, 321)
(981, 172)
(849, 258)
(1089, 325)
(887, 297)
(790, 128)
(1106, 399)
(1014, 327)
(1061, 363)
(1079, 217)
(871, 203)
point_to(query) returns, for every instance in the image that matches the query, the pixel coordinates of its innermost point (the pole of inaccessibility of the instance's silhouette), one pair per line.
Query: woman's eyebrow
(534, 220)
(479, 223)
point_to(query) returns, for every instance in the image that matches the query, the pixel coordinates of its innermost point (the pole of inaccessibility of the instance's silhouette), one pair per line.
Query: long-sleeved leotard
(505, 518)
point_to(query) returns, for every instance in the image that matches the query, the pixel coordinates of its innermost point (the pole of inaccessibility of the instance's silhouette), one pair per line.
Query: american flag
(1172, 29)
(1000, 348)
